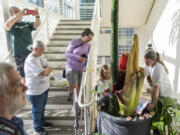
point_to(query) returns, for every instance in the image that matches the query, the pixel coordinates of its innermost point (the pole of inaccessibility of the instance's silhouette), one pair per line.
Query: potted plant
(116, 120)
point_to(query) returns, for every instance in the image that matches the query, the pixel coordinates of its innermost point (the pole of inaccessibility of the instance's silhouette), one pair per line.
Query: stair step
(54, 52)
(57, 100)
(56, 62)
(48, 118)
(59, 107)
(59, 67)
(56, 59)
(58, 89)
(58, 93)
(63, 83)
(72, 26)
(57, 48)
(66, 36)
(68, 31)
(55, 122)
(60, 128)
(56, 114)
(55, 130)
(60, 42)
(69, 28)
(55, 55)
(75, 21)
(61, 39)
(57, 71)
(62, 131)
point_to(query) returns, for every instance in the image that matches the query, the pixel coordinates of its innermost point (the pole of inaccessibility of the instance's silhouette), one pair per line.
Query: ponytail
(158, 59)
(152, 55)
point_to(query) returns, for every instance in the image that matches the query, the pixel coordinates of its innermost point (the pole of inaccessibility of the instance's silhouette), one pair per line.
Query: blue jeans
(38, 107)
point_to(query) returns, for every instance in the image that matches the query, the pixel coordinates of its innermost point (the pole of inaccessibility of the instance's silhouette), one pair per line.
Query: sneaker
(70, 97)
(42, 132)
(47, 125)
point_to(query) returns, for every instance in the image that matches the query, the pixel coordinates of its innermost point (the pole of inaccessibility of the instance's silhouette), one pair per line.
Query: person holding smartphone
(76, 54)
(20, 33)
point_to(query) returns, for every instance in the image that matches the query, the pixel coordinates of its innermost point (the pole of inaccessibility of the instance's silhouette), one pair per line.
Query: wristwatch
(37, 16)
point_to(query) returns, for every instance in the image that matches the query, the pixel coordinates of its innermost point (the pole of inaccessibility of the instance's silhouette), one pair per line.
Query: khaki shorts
(74, 77)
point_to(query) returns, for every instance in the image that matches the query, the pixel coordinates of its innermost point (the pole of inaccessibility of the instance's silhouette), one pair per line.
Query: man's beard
(15, 102)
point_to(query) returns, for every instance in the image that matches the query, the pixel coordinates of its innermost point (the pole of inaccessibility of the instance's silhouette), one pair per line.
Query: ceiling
(132, 13)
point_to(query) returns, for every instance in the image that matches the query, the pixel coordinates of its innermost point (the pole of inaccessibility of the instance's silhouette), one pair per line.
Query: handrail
(91, 70)
(88, 79)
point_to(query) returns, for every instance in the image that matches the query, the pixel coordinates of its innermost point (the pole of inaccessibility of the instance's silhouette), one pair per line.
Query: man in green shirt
(21, 36)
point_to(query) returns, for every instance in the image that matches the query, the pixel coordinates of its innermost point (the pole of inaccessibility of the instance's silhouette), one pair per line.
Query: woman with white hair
(37, 73)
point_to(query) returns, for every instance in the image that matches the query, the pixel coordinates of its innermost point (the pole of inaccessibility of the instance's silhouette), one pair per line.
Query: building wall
(104, 42)
(125, 41)
(163, 31)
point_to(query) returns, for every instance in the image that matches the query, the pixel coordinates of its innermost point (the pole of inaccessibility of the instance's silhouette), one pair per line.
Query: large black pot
(110, 125)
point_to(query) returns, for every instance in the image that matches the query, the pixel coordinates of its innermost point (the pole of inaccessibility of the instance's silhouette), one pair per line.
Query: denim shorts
(74, 77)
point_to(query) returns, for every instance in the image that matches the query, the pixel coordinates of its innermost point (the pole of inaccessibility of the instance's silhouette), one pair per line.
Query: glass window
(107, 60)
(86, 9)
(125, 39)
(99, 60)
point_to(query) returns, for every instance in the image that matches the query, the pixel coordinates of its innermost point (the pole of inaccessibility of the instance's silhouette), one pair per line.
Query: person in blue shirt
(12, 99)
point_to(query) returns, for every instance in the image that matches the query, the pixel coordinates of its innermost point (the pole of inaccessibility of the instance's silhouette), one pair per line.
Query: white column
(76, 9)
(4, 14)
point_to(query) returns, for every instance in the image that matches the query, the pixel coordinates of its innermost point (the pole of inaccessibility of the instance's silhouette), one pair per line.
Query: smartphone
(29, 12)
(84, 55)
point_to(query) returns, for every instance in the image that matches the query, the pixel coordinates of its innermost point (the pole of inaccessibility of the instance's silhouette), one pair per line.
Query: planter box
(110, 125)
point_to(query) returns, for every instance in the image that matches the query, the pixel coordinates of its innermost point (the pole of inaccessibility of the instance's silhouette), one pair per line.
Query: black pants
(19, 60)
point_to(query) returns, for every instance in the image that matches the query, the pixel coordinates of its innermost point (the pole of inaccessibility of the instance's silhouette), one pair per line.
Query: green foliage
(167, 113)
(98, 134)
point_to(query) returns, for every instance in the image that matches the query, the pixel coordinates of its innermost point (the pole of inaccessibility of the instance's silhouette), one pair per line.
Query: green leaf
(158, 125)
(169, 102)
(167, 111)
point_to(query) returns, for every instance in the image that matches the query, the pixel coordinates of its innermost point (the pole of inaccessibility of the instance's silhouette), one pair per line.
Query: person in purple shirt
(76, 54)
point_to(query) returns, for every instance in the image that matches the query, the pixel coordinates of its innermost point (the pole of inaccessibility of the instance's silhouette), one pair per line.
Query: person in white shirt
(157, 77)
(37, 73)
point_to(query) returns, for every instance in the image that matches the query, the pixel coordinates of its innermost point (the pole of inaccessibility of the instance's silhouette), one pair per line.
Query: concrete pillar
(5, 16)
(76, 9)
(5, 9)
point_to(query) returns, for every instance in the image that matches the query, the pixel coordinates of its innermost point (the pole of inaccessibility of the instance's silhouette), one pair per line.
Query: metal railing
(86, 99)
